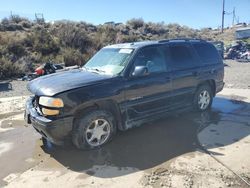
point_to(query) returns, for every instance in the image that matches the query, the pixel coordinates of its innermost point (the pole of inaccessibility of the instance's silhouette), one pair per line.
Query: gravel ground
(13, 88)
(237, 75)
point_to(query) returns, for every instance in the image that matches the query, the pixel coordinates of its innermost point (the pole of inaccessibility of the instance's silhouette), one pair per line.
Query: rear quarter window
(207, 53)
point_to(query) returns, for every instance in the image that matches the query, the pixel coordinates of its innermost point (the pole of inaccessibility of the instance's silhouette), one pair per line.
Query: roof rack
(180, 40)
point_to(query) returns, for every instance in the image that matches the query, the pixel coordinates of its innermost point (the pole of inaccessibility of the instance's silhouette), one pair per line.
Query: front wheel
(93, 130)
(203, 98)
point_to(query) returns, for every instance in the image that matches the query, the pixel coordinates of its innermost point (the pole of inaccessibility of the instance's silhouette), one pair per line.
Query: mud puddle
(140, 149)
(17, 145)
(147, 146)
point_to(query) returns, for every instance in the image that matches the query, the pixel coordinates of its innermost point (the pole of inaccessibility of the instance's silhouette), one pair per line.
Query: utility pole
(234, 17)
(223, 13)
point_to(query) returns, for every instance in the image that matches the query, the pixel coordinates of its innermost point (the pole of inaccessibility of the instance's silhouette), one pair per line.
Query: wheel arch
(210, 83)
(106, 105)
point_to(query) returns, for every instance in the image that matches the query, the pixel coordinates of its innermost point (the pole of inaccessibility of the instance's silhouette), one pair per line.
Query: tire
(203, 98)
(93, 130)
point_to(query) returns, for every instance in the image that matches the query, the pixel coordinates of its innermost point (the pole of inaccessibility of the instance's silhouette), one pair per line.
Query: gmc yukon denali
(122, 86)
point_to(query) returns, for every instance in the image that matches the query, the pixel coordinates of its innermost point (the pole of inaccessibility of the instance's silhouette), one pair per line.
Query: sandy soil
(209, 149)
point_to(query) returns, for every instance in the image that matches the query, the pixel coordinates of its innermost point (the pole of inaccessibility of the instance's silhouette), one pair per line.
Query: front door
(148, 94)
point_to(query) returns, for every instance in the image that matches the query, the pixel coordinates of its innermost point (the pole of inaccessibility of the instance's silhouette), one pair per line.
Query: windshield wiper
(98, 70)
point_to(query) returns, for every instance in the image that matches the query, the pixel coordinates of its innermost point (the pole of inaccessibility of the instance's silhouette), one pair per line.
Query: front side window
(152, 58)
(109, 61)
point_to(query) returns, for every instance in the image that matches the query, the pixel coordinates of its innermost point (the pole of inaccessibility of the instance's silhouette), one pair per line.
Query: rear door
(212, 67)
(149, 94)
(185, 73)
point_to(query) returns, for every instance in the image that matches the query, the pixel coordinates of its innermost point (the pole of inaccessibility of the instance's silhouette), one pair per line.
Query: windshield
(109, 60)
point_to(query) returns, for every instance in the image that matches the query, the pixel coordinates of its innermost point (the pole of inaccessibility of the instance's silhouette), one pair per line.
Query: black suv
(122, 86)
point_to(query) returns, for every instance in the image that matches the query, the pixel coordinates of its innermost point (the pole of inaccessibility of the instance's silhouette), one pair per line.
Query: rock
(228, 184)
(160, 171)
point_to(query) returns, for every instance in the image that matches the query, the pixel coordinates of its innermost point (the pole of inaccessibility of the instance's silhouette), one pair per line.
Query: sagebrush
(73, 43)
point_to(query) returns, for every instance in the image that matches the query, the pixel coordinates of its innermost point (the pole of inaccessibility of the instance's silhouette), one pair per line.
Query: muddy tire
(93, 130)
(203, 98)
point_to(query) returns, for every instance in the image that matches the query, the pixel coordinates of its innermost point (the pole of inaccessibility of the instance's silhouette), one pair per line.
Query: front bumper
(55, 131)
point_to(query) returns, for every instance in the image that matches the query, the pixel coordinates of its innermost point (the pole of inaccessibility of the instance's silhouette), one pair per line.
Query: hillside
(25, 43)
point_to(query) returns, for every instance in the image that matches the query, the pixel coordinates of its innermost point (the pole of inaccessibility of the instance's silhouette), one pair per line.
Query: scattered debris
(239, 51)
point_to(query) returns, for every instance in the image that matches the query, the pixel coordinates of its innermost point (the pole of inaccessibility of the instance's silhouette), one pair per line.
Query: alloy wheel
(97, 132)
(204, 100)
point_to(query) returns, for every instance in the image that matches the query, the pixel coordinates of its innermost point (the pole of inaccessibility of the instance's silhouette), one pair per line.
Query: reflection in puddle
(226, 105)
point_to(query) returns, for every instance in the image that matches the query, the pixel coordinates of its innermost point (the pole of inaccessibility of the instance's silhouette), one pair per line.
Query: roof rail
(180, 39)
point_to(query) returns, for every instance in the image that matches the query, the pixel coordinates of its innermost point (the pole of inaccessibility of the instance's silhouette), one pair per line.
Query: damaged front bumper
(55, 131)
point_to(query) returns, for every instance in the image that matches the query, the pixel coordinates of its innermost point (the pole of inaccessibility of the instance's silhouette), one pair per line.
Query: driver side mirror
(140, 71)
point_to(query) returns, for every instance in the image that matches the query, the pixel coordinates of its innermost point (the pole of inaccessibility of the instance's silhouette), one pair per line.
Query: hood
(59, 82)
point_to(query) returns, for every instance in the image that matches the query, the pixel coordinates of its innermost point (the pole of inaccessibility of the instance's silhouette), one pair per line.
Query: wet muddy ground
(209, 149)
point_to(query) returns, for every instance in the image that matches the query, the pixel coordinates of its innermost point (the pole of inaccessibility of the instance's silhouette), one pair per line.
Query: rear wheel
(203, 98)
(93, 130)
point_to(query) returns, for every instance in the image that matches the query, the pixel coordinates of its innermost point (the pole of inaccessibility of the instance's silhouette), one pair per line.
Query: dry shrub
(73, 57)
(9, 69)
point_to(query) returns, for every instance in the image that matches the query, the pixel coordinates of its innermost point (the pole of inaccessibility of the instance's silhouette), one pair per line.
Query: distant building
(109, 23)
(242, 33)
(239, 25)
(116, 24)
(112, 23)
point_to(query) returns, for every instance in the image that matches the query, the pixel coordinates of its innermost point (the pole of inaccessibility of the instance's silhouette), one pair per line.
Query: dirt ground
(209, 149)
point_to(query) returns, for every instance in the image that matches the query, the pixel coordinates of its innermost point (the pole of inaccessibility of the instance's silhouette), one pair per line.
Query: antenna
(39, 18)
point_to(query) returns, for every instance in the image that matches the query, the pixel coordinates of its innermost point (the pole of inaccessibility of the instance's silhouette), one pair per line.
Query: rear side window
(181, 56)
(207, 52)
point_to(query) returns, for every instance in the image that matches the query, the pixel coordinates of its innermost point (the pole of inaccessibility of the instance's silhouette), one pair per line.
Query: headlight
(51, 102)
